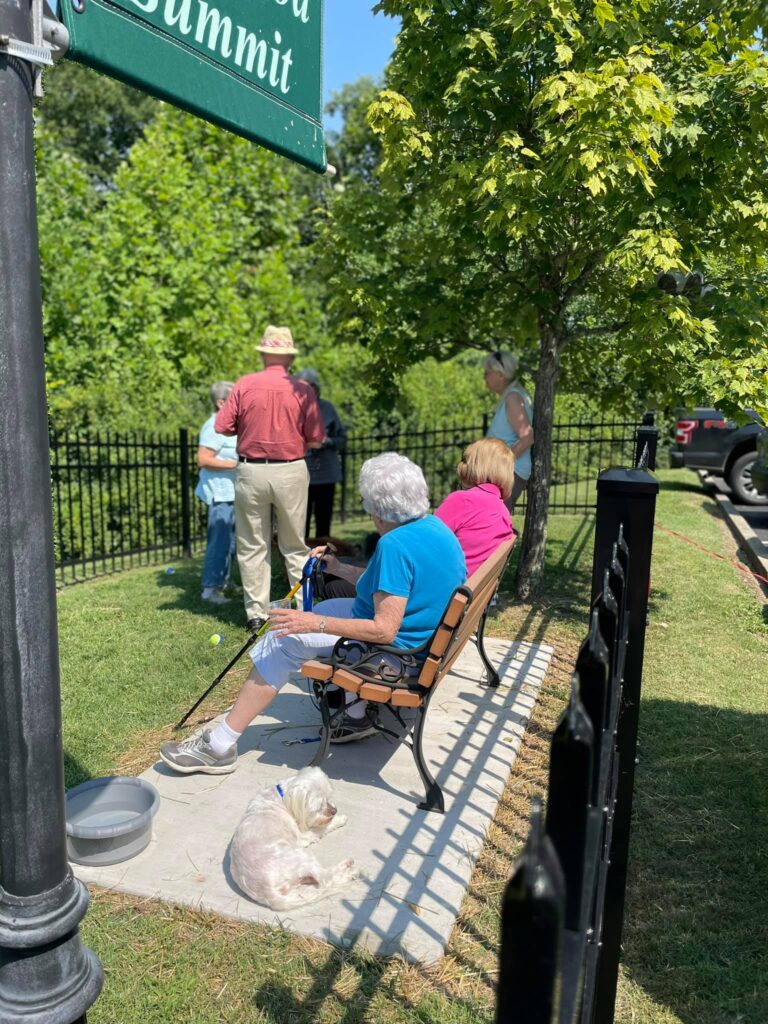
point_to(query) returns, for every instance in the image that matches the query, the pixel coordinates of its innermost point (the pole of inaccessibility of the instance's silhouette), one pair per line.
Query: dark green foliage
(93, 117)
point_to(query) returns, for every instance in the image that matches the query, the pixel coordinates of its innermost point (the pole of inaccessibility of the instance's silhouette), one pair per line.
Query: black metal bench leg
(325, 730)
(434, 801)
(493, 675)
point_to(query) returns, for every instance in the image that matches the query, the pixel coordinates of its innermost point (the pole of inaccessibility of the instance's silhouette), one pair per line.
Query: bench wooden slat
(491, 567)
(455, 609)
(469, 625)
(442, 639)
(375, 691)
(316, 670)
(429, 670)
(347, 680)
(405, 699)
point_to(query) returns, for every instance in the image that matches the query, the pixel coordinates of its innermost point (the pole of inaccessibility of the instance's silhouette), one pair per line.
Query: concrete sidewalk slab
(415, 866)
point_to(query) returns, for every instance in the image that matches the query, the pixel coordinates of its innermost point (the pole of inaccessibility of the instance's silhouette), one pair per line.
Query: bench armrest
(363, 659)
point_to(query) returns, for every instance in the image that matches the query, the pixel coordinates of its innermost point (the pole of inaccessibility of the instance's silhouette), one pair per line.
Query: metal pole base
(39, 939)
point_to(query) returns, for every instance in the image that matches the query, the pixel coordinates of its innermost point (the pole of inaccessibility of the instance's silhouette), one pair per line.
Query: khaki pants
(259, 488)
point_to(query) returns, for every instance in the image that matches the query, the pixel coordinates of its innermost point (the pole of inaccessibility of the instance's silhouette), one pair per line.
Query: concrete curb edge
(755, 550)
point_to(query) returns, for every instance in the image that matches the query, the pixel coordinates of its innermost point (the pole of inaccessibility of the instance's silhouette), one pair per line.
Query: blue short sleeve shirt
(421, 561)
(216, 484)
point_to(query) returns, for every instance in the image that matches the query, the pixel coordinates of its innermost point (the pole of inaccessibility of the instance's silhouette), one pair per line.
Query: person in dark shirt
(323, 463)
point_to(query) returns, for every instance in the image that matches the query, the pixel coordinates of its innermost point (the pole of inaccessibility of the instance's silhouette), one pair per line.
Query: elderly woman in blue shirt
(217, 459)
(400, 599)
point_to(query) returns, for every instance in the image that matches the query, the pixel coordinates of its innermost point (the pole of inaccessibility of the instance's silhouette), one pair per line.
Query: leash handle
(314, 563)
(308, 583)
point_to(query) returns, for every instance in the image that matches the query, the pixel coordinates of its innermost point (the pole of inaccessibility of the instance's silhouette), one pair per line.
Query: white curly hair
(502, 362)
(393, 488)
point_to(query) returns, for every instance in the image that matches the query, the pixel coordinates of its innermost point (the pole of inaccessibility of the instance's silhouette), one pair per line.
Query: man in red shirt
(276, 419)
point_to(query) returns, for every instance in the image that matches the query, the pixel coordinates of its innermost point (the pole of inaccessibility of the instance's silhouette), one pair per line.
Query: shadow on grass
(74, 772)
(691, 485)
(696, 899)
(697, 896)
(279, 1002)
(567, 579)
(183, 589)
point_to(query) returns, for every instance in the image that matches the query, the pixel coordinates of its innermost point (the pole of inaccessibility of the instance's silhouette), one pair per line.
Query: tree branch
(593, 262)
(594, 332)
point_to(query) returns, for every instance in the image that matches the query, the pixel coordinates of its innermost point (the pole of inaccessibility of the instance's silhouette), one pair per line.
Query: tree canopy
(159, 285)
(93, 117)
(540, 171)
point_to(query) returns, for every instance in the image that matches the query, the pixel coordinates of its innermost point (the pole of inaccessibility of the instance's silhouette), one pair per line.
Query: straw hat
(277, 341)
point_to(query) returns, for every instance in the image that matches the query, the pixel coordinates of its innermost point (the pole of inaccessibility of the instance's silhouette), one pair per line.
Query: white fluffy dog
(268, 856)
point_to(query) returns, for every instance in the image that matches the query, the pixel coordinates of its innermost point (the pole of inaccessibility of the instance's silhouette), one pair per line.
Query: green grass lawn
(135, 654)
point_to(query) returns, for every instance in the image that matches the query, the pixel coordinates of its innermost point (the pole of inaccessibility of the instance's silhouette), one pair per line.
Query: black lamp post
(46, 975)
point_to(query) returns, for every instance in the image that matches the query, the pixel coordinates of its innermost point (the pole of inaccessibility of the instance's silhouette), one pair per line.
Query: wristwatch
(321, 627)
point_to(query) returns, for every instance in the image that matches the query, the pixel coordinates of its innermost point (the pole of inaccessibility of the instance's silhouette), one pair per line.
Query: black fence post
(46, 974)
(646, 443)
(530, 958)
(626, 499)
(343, 510)
(570, 792)
(186, 504)
(593, 670)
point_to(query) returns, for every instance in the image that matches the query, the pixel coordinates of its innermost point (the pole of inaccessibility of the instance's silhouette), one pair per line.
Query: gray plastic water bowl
(109, 820)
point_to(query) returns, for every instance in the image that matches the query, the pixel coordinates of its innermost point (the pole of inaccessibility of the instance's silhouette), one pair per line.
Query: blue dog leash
(308, 583)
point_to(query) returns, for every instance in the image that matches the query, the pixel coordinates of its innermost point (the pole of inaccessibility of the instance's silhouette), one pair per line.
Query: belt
(266, 462)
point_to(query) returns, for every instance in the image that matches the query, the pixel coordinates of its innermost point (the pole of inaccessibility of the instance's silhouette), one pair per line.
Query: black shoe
(254, 624)
(348, 729)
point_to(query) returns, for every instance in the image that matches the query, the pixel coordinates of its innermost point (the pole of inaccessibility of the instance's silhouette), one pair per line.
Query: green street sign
(251, 66)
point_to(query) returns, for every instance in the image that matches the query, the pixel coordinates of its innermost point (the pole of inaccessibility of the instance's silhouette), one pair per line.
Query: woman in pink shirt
(477, 513)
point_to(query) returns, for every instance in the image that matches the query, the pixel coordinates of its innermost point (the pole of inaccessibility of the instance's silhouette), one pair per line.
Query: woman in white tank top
(513, 420)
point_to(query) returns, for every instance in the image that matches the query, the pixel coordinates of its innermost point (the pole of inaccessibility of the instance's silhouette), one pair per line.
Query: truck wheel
(740, 480)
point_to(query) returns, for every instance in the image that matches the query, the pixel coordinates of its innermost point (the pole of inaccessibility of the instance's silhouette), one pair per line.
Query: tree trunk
(534, 545)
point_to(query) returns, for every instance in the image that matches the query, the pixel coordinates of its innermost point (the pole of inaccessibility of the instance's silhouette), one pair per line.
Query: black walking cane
(306, 582)
(248, 643)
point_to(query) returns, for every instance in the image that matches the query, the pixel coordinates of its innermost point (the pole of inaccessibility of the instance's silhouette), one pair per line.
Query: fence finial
(533, 912)
(570, 795)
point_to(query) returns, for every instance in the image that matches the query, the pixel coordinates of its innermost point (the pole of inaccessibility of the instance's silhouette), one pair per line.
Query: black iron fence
(580, 449)
(563, 907)
(126, 499)
(122, 499)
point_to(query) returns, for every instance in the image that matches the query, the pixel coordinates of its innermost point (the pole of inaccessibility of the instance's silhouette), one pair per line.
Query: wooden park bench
(409, 678)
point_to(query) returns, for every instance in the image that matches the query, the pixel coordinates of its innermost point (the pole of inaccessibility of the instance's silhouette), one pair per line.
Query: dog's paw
(348, 870)
(337, 821)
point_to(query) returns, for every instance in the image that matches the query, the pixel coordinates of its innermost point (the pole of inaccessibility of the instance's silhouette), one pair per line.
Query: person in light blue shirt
(421, 561)
(217, 459)
(512, 422)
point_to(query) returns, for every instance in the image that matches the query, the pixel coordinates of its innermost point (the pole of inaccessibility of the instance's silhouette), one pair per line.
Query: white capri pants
(275, 657)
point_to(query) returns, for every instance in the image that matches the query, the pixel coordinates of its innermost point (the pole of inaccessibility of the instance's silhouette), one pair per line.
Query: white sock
(223, 738)
(358, 710)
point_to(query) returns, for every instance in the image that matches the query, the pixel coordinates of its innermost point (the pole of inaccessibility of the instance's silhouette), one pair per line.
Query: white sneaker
(214, 596)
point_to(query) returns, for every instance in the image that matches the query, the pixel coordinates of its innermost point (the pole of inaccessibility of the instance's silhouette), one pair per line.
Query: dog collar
(280, 791)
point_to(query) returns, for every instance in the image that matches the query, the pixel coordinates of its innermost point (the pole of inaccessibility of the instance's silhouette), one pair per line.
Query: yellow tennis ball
(216, 639)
